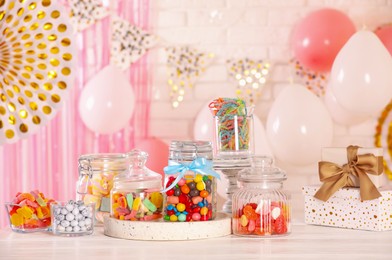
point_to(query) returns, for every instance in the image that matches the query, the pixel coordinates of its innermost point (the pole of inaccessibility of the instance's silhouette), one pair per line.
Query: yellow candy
(157, 199)
(181, 207)
(88, 198)
(203, 211)
(198, 178)
(16, 219)
(122, 217)
(136, 203)
(115, 206)
(25, 212)
(244, 221)
(173, 218)
(200, 186)
(39, 213)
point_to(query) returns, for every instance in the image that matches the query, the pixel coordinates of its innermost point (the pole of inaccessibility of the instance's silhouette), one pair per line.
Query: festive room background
(216, 31)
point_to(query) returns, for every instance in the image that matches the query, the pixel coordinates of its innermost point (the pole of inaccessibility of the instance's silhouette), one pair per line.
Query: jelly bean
(200, 186)
(177, 192)
(204, 218)
(208, 182)
(170, 192)
(204, 194)
(166, 217)
(196, 210)
(129, 200)
(197, 199)
(244, 221)
(198, 178)
(209, 214)
(172, 178)
(181, 217)
(200, 204)
(170, 207)
(209, 198)
(203, 211)
(149, 205)
(196, 216)
(170, 212)
(185, 189)
(175, 209)
(192, 185)
(251, 225)
(194, 193)
(172, 200)
(173, 218)
(183, 198)
(188, 217)
(180, 207)
(157, 199)
(181, 182)
(136, 203)
(205, 178)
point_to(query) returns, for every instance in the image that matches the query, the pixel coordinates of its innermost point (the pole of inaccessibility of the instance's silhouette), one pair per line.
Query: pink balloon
(384, 33)
(158, 153)
(318, 38)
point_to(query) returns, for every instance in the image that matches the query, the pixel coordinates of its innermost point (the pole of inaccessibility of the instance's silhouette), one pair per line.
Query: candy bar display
(72, 218)
(190, 185)
(29, 212)
(136, 193)
(260, 207)
(96, 176)
(233, 131)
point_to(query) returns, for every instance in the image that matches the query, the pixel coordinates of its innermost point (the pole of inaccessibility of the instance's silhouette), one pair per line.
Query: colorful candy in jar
(29, 211)
(190, 199)
(142, 205)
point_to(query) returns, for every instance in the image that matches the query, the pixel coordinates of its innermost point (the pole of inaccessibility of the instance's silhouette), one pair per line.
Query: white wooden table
(305, 242)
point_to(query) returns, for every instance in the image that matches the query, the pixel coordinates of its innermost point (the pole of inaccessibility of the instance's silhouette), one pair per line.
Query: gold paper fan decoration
(36, 65)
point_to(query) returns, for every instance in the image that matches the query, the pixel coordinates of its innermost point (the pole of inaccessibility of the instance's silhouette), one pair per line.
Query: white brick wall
(233, 29)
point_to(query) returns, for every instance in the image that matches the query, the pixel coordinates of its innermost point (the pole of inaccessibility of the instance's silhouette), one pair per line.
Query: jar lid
(104, 162)
(262, 169)
(189, 150)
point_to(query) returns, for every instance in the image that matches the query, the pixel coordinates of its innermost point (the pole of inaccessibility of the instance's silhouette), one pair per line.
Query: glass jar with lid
(261, 207)
(190, 182)
(136, 193)
(96, 175)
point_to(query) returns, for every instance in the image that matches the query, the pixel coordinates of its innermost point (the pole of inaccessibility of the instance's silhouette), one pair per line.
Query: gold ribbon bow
(335, 177)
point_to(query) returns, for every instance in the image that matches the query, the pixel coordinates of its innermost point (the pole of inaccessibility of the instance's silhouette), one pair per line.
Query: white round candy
(60, 217)
(75, 211)
(76, 228)
(82, 207)
(57, 211)
(70, 217)
(69, 207)
(60, 228)
(88, 221)
(82, 223)
(74, 223)
(64, 211)
(65, 223)
(79, 217)
(68, 229)
(83, 228)
(85, 212)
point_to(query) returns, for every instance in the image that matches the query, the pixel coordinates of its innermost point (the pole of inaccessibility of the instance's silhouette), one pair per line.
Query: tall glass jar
(96, 175)
(136, 193)
(260, 206)
(190, 182)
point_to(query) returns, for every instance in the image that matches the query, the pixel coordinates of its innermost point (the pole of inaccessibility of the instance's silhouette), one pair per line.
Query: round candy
(68, 229)
(173, 218)
(198, 178)
(69, 217)
(64, 211)
(75, 211)
(181, 217)
(185, 189)
(196, 216)
(203, 194)
(203, 211)
(181, 207)
(69, 207)
(200, 186)
(181, 182)
(192, 185)
(74, 223)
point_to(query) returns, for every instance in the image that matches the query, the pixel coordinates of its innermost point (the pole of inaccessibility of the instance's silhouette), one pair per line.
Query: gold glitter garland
(383, 137)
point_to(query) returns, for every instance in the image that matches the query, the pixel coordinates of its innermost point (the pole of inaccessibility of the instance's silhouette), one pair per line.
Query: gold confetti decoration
(185, 65)
(314, 81)
(250, 76)
(383, 137)
(129, 43)
(84, 13)
(33, 59)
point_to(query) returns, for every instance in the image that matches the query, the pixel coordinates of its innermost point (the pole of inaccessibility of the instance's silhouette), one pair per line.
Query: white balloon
(361, 76)
(341, 115)
(107, 101)
(298, 126)
(262, 146)
(203, 128)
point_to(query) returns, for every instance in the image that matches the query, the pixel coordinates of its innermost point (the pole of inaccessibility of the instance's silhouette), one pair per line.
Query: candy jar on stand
(261, 208)
(136, 193)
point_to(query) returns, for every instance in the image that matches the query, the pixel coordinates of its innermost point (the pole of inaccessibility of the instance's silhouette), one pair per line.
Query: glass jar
(136, 194)
(96, 175)
(260, 206)
(190, 182)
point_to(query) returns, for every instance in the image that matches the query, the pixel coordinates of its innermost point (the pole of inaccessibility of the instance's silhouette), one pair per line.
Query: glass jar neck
(265, 185)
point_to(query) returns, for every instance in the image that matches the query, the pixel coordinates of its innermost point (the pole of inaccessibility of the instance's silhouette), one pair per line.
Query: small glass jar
(260, 207)
(136, 193)
(190, 182)
(96, 175)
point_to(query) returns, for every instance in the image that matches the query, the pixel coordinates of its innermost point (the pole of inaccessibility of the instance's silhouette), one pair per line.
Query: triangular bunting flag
(86, 12)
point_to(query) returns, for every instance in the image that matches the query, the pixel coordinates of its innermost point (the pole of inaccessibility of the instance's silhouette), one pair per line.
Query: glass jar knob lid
(262, 169)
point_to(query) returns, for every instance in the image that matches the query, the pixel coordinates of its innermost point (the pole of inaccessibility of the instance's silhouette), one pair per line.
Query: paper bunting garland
(314, 81)
(185, 65)
(250, 76)
(36, 65)
(383, 138)
(86, 12)
(129, 43)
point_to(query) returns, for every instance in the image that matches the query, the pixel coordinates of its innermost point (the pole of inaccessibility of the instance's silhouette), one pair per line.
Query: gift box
(345, 209)
(338, 155)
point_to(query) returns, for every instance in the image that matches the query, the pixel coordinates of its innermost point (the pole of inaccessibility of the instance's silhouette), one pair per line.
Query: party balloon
(361, 78)
(107, 101)
(158, 153)
(318, 38)
(298, 126)
(262, 146)
(203, 126)
(340, 115)
(384, 33)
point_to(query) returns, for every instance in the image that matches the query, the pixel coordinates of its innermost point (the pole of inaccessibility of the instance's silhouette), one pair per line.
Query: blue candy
(200, 204)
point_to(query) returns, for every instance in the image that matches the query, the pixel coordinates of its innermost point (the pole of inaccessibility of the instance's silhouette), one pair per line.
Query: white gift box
(345, 209)
(338, 155)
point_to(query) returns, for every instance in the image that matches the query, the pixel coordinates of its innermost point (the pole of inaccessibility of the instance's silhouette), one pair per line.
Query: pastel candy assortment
(73, 218)
(30, 211)
(142, 205)
(262, 219)
(190, 199)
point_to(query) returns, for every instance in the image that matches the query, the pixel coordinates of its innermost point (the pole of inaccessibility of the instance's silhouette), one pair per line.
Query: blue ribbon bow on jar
(199, 165)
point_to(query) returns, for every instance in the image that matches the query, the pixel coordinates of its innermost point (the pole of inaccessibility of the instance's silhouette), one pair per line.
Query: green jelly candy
(151, 207)
(205, 178)
(41, 202)
(130, 200)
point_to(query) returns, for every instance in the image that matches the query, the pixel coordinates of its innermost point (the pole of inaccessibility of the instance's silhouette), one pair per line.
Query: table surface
(305, 242)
